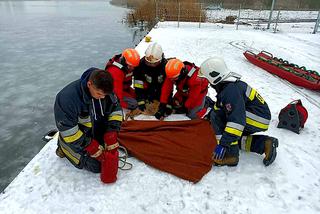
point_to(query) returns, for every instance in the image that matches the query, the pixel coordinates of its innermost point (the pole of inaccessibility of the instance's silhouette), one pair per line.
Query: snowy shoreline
(290, 185)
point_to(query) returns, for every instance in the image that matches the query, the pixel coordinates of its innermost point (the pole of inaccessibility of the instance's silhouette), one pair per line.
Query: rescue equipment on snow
(123, 156)
(291, 72)
(110, 159)
(293, 116)
(147, 39)
(109, 166)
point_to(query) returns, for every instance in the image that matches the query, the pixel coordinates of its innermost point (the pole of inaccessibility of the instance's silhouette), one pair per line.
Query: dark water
(43, 46)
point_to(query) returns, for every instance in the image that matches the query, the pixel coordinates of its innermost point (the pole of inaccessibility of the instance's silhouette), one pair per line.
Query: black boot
(270, 150)
(261, 144)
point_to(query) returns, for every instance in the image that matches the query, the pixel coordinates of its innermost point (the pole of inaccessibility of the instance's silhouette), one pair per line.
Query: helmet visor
(214, 78)
(200, 74)
(151, 59)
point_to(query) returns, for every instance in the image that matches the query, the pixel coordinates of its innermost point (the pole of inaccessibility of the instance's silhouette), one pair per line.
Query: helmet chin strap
(235, 75)
(182, 74)
(123, 61)
(232, 77)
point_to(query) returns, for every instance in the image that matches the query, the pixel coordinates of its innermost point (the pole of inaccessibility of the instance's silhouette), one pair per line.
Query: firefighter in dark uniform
(149, 76)
(88, 116)
(191, 90)
(238, 112)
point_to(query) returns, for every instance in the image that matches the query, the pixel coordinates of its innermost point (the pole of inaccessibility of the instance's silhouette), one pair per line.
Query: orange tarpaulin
(182, 148)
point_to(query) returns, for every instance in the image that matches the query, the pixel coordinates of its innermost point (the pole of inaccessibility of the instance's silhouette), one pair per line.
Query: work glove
(161, 111)
(219, 152)
(178, 106)
(168, 110)
(142, 105)
(95, 150)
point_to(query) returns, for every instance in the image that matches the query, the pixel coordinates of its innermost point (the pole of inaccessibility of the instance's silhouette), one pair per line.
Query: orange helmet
(131, 57)
(173, 68)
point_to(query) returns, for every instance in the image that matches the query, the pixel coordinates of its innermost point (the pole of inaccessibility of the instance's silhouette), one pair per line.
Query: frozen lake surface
(43, 46)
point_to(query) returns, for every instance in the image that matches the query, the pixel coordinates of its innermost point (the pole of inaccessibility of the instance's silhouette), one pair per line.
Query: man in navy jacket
(88, 116)
(238, 112)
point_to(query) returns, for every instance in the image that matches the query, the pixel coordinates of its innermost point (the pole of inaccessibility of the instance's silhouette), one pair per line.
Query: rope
(124, 165)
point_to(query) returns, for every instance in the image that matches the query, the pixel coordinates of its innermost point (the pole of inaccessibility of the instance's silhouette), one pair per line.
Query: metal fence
(259, 19)
(192, 11)
(264, 4)
(180, 11)
(316, 27)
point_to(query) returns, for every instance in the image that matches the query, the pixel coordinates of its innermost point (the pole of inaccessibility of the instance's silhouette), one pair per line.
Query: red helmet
(131, 57)
(173, 68)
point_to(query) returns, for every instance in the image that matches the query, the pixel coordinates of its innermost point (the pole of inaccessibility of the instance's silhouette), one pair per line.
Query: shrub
(166, 10)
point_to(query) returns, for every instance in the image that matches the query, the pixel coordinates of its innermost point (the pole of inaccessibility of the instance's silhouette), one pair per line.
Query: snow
(291, 184)
(247, 14)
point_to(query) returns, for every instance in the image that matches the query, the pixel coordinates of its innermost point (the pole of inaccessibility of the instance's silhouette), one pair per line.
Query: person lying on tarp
(149, 76)
(121, 68)
(191, 90)
(88, 116)
(238, 112)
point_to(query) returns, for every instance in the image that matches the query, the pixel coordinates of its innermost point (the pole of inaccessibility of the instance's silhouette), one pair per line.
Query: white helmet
(215, 70)
(154, 53)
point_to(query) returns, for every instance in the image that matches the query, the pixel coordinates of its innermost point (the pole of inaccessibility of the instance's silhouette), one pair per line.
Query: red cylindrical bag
(109, 166)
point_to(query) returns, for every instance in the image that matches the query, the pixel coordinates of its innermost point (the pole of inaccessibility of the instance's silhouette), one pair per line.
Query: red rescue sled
(293, 73)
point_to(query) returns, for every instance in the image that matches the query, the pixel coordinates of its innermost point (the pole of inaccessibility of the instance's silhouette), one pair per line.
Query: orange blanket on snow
(182, 148)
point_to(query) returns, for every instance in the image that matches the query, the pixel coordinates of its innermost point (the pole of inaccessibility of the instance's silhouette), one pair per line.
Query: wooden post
(200, 15)
(157, 14)
(179, 14)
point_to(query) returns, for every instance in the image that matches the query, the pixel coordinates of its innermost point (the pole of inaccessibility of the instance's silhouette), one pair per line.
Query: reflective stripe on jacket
(244, 109)
(149, 80)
